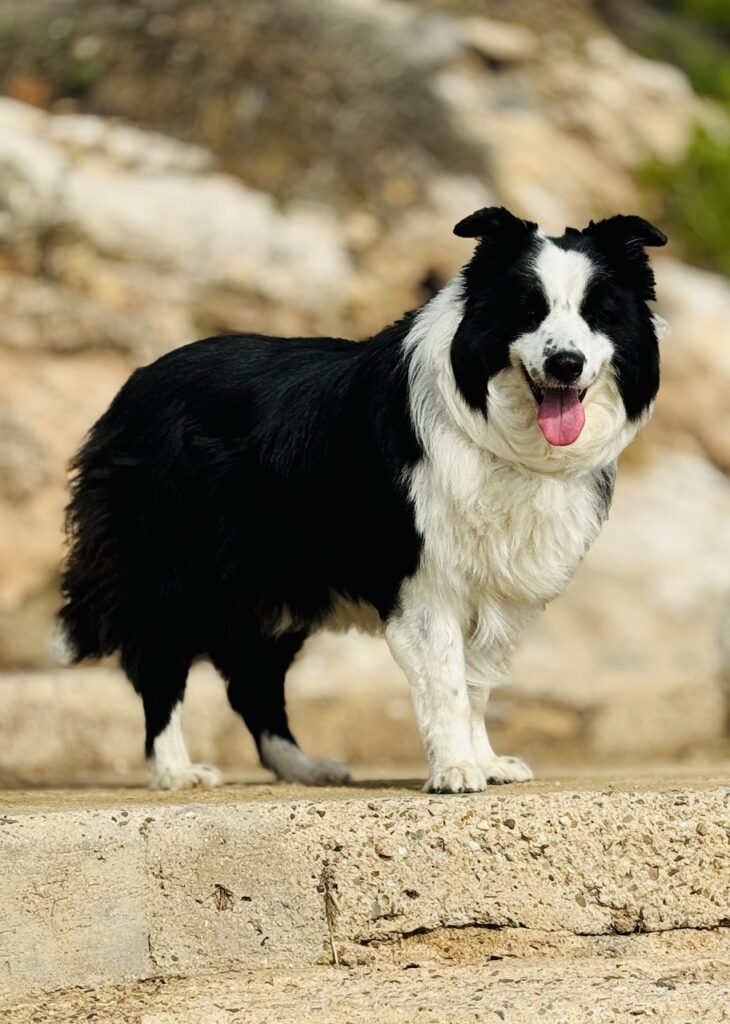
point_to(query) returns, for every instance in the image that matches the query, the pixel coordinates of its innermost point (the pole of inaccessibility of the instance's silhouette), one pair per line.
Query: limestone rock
(126, 145)
(209, 228)
(319, 100)
(695, 393)
(48, 405)
(498, 40)
(212, 230)
(42, 316)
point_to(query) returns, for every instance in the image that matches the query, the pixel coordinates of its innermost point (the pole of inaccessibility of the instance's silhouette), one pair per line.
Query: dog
(438, 483)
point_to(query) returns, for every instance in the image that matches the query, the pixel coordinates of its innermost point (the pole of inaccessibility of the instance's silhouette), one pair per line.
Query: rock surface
(672, 985)
(105, 888)
(695, 395)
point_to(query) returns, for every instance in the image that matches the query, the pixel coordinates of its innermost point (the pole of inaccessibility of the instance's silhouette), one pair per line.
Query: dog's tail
(96, 574)
(87, 580)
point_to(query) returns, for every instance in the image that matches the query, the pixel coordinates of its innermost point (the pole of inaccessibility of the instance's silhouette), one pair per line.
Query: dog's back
(236, 471)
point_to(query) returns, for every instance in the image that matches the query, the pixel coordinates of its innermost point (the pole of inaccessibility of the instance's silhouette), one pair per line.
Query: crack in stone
(429, 929)
(639, 929)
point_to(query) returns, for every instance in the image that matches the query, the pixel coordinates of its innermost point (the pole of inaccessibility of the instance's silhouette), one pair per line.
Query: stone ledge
(673, 989)
(110, 887)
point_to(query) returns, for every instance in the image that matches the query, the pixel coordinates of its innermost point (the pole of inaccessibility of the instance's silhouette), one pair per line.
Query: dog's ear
(622, 240)
(628, 232)
(493, 223)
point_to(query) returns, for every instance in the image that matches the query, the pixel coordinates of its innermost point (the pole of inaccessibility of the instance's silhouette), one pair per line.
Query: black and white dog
(439, 482)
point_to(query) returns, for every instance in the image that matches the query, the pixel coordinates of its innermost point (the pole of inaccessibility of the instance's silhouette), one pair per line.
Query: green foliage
(695, 198)
(695, 35)
(81, 75)
(703, 57)
(694, 194)
(715, 14)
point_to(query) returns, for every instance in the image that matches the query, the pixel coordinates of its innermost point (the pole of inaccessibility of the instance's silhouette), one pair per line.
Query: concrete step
(349, 701)
(112, 887)
(674, 983)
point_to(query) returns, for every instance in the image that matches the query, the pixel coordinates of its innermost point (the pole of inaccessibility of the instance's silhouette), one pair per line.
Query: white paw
(291, 764)
(191, 776)
(460, 778)
(325, 773)
(506, 769)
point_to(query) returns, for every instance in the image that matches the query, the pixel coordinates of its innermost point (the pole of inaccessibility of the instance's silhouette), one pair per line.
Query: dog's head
(557, 345)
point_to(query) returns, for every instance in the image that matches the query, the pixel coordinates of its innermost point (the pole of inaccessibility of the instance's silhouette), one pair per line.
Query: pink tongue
(561, 416)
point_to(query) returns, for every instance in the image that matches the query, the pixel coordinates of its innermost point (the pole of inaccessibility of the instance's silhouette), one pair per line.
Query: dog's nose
(565, 366)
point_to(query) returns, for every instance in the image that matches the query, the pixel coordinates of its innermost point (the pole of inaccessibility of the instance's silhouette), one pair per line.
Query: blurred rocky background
(170, 169)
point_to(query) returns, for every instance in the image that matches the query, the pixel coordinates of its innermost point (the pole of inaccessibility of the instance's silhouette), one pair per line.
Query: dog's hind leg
(160, 681)
(254, 668)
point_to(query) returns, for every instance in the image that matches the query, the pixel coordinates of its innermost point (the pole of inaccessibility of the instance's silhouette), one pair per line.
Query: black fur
(233, 481)
(615, 303)
(605, 484)
(503, 300)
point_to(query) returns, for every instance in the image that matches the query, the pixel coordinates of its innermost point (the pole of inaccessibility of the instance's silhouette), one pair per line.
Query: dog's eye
(534, 309)
(599, 304)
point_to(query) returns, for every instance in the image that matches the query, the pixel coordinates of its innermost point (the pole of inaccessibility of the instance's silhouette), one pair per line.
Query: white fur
(564, 276)
(662, 326)
(291, 764)
(171, 767)
(505, 519)
(61, 650)
(512, 435)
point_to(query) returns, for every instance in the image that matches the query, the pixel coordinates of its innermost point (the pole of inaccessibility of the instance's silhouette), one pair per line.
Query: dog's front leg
(428, 646)
(485, 668)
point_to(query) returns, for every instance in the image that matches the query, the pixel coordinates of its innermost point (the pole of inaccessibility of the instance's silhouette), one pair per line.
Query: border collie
(439, 482)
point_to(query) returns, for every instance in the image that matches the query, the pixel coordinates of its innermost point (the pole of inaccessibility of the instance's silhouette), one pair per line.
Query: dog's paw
(460, 778)
(499, 770)
(291, 764)
(324, 772)
(192, 776)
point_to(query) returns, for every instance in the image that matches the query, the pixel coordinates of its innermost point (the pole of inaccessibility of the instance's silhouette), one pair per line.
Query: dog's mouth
(560, 413)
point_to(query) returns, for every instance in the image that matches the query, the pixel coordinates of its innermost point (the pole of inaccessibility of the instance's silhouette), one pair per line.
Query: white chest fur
(499, 542)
